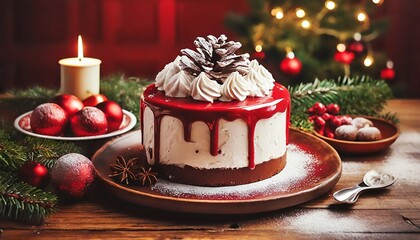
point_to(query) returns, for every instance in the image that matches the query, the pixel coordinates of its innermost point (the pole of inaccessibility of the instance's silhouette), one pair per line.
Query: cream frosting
(204, 89)
(178, 85)
(235, 87)
(175, 82)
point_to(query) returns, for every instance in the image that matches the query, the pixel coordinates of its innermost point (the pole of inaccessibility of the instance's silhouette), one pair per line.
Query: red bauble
(48, 119)
(114, 114)
(34, 174)
(94, 100)
(356, 47)
(70, 103)
(258, 55)
(72, 175)
(291, 66)
(388, 74)
(333, 109)
(345, 57)
(89, 121)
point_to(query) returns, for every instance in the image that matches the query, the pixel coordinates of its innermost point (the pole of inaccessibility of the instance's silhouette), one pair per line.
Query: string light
(300, 13)
(368, 61)
(290, 55)
(258, 48)
(357, 36)
(341, 47)
(306, 24)
(361, 16)
(330, 5)
(389, 64)
(277, 12)
(378, 1)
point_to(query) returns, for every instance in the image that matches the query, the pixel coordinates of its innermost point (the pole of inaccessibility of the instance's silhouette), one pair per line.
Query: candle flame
(80, 48)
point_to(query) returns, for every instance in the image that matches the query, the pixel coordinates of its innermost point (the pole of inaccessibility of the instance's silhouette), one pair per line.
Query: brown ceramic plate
(313, 168)
(389, 133)
(23, 124)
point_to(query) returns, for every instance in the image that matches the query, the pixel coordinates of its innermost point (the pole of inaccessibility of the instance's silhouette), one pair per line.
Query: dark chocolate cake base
(221, 177)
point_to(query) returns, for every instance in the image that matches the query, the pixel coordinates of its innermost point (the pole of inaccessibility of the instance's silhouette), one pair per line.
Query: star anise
(147, 177)
(125, 170)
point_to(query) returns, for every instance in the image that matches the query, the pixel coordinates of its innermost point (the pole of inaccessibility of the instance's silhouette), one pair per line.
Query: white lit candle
(80, 76)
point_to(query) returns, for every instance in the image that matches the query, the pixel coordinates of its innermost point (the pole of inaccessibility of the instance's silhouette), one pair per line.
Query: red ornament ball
(345, 57)
(291, 66)
(114, 114)
(89, 121)
(356, 47)
(73, 174)
(388, 74)
(94, 100)
(48, 119)
(70, 103)
(258, 55)
(34, 174)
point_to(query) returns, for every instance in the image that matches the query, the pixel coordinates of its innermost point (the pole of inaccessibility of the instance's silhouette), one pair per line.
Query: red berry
(328, 133)
(311, 111)
(333, 108)
(326, 116)
(336, 121)
(319, 122)
(320, 131)
(319, 108)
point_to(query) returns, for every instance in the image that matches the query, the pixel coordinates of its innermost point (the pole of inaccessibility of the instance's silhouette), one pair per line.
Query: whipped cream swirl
(188, 77)
(235, 87)
(205, 89)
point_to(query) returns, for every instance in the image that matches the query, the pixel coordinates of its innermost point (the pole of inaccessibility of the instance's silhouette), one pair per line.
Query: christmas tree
(313, 39)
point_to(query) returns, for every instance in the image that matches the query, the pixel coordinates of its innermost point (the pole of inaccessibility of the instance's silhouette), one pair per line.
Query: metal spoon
(371, 180)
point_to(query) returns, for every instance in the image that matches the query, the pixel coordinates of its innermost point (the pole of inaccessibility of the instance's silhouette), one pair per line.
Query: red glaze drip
(188, 111)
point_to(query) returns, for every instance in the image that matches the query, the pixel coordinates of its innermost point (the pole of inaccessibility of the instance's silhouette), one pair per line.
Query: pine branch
(22, 202)
(355, 96)
(20, 101)
(46, 151)
(12, 155)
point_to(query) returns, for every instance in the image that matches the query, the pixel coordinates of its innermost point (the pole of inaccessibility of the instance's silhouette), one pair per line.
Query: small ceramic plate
(313, 168)
(23, 124)
(389, 133)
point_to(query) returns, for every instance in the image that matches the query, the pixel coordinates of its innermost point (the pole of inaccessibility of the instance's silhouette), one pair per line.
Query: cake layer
(183, 132)
(221, 177)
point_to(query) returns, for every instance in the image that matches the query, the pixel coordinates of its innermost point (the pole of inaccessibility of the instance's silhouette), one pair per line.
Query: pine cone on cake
(215, 57)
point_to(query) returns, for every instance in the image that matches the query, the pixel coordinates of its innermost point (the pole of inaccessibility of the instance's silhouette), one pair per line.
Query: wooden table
(385, 214)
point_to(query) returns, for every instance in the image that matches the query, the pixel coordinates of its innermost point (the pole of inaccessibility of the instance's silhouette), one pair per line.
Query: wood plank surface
(393, 213)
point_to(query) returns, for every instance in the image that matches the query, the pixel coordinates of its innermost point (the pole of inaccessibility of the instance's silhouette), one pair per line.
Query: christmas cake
(215, 118)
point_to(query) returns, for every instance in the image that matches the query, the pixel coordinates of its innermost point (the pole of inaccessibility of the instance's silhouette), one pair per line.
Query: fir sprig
(355, 96)
(22, 202)
(46, 151)
(12, 155)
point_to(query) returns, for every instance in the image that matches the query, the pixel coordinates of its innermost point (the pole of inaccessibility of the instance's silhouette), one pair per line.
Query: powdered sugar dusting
(299, 170)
